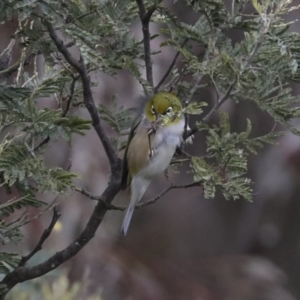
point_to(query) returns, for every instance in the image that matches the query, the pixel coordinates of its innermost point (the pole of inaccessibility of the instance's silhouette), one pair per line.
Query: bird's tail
(138, 188)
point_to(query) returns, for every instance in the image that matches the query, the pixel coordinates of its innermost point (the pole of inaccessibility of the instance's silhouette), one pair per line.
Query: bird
(152, 142)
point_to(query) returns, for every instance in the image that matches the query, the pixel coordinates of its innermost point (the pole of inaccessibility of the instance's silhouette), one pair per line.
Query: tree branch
(145, 17)
(80, 67)
(170, 68)
(72, 89)
(43, 238)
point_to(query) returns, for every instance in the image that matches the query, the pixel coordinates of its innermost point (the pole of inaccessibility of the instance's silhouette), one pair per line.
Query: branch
(217, 105)
(138, 206)
(220, 101)
(99, 199)
(170, 68)
(80, 67)
(171, 187)
(252, 54)
(43, 238)
(145, 17)
(72, 89)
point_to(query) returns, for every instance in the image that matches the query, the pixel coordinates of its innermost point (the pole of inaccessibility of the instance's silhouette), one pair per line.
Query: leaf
(8, 261)
(194, 108)
(224, 123)
(241, 137)
(258, 7)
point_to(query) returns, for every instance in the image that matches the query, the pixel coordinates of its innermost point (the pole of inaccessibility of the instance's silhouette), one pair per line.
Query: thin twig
(170, 86)
(5, 59)
(181, 74)
(30, 150)
(99, 199)
(252, 54)
(86, 14)
(171, 187)
(216, 106)
(197, 79)
(215, 86)
(179, 161)
(52, 205)
(220, 101)
(42, 143)
(70, 98)
(138, 206)
(24, 215)
(180, 152)
(170, 67)
(43, 238)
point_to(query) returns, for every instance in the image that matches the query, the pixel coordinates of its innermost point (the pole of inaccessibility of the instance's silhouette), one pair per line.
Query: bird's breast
(164, 144)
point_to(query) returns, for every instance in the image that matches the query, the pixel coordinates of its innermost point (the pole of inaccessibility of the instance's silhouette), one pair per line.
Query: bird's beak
(158, 116)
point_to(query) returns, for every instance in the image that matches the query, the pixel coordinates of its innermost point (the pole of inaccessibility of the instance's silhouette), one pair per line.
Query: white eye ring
(153, 110)
(169, 110)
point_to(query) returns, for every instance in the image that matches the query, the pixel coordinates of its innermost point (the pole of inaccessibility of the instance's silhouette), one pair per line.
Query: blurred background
(184, 246)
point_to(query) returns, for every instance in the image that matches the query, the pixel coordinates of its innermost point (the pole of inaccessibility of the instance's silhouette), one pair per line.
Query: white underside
(166, 140)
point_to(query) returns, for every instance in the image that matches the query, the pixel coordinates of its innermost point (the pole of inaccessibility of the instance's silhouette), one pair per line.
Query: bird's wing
(136, 122)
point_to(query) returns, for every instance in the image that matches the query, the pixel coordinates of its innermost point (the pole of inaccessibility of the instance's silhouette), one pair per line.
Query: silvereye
(151, 145)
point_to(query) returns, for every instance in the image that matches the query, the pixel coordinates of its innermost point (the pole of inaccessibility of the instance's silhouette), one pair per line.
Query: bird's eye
(153, 110)
(169, 110)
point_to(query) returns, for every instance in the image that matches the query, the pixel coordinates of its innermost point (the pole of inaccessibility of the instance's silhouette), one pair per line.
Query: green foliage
(225, 164)
(194, 108)
(9, 233)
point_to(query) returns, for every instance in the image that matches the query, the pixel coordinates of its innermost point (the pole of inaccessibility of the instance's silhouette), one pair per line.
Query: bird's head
(164, 108)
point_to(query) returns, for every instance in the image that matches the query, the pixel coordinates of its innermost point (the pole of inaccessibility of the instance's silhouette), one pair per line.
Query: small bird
(152, 142)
